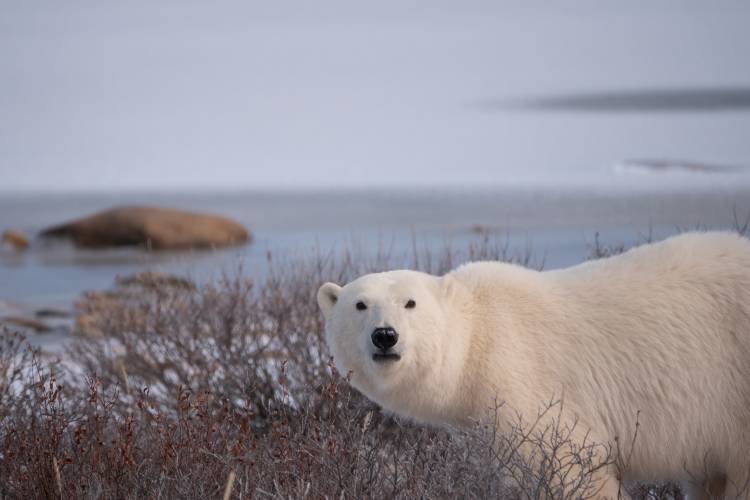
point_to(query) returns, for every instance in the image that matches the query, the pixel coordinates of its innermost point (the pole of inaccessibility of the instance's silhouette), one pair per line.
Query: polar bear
(659, 335)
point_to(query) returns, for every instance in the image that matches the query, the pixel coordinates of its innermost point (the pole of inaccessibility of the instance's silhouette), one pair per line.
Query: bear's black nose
(384, 338)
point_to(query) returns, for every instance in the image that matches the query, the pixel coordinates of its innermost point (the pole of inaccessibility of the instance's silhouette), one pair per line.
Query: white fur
(662, 332)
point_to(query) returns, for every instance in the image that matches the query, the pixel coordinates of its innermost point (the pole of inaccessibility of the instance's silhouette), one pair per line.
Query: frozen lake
(336, 93)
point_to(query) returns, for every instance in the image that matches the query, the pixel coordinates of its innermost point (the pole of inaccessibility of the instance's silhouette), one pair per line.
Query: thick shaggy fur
(658, 335)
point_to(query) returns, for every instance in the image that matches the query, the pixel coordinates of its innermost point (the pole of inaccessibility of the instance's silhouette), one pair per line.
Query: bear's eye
(361, 306)
(410, 304)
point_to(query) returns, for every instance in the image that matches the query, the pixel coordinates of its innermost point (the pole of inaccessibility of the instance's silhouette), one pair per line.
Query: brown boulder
(27, 323)
(52, 312)
(150, 227)
(154, 280)
(15, 239)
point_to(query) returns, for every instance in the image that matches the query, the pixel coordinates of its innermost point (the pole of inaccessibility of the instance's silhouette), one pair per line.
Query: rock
(152, 280)
(51, 312)
(151, 227)
(15, 239)
(479, 229)
(27, 323)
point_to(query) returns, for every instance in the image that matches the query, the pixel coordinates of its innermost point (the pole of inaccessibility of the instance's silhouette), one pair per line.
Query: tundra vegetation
(227, 390)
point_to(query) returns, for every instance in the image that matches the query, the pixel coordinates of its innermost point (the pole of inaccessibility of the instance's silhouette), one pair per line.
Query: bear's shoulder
(489, 269)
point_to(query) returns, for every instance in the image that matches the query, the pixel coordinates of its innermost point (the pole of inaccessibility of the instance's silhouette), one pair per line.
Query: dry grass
(331, 443)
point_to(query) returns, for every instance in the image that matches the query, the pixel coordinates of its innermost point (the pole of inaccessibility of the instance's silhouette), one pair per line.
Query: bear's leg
(713, 488)
(738, 484)
(611, 489)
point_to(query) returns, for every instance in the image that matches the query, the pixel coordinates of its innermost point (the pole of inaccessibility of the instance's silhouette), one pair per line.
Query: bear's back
(689, 258)
(666, 327)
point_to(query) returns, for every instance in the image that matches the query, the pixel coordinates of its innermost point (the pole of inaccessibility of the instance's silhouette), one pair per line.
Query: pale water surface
(558, 226)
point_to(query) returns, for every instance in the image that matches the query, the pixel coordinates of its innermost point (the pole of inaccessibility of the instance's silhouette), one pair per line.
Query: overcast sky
(192, 94)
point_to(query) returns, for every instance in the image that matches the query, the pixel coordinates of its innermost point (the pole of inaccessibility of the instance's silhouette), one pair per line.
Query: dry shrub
(70, 444)
(64, 442)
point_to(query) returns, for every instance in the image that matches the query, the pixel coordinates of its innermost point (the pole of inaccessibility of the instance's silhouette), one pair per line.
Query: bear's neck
(499, 361)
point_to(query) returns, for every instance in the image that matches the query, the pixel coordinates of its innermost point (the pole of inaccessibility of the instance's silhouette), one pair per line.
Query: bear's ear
(328, 295)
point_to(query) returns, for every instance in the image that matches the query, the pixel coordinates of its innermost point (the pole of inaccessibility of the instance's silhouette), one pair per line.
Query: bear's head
(395, 332)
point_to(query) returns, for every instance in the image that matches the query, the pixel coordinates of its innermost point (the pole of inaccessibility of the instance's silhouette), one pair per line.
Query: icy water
(557, 225)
